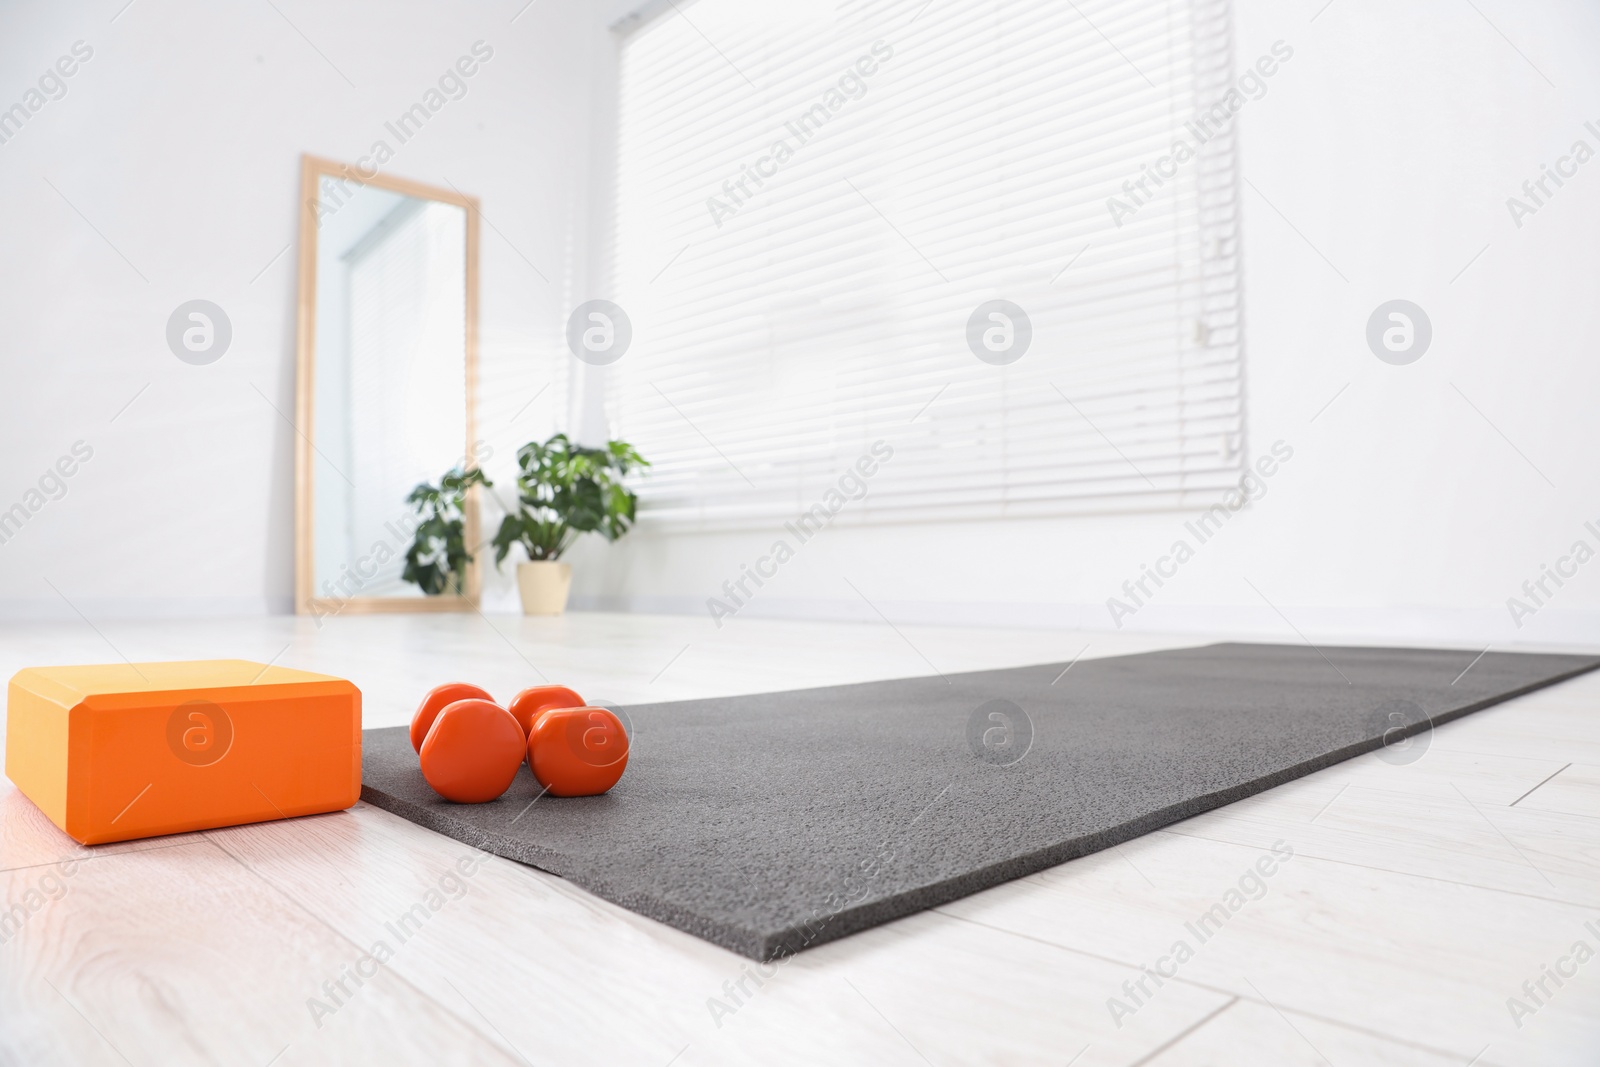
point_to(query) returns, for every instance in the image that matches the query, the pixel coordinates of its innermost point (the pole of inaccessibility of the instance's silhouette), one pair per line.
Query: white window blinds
(808, 213)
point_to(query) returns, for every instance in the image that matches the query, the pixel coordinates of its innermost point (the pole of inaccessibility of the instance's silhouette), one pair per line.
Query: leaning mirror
(386, 508)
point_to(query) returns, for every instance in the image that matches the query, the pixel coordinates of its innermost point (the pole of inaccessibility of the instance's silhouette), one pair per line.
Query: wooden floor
(1419, 898)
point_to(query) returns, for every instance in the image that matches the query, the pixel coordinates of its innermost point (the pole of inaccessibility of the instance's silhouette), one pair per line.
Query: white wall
(179, 144)
(1390, 143)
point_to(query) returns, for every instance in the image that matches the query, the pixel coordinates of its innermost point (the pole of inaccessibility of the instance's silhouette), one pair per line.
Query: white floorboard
(1420, 897)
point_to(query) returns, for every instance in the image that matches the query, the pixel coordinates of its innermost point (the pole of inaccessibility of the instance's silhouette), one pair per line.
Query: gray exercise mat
(775, 822)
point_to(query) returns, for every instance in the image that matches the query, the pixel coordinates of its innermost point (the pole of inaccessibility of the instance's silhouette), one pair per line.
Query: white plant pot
(544, 585)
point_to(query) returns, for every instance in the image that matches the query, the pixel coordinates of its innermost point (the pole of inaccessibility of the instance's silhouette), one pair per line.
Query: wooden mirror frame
(312, 170)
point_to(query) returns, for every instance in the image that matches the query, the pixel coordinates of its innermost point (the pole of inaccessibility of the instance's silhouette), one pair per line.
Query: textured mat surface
(775, 822)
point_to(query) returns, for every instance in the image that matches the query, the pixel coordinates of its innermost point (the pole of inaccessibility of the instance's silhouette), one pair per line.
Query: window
(809, 213)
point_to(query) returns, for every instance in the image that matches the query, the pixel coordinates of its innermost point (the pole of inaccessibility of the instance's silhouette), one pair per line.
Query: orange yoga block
(128, 750)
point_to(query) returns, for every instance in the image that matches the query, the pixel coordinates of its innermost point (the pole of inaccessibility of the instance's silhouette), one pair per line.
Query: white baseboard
(48, 609)
(1464, 627)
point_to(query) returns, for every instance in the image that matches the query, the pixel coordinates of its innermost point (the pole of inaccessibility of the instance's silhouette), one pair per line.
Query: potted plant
(437, 559)
(564, 490)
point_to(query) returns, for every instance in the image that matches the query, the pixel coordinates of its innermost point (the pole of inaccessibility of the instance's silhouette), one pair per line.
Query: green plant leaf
(438, 558)
(564, 490)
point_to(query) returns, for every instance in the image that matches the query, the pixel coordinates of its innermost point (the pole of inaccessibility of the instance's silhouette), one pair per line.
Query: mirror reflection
(389, 381)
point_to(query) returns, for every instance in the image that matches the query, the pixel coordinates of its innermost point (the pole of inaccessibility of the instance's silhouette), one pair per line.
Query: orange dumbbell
(578, 752)
(528, 705)
(472, 751)
(470, 748)
(435, 701)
